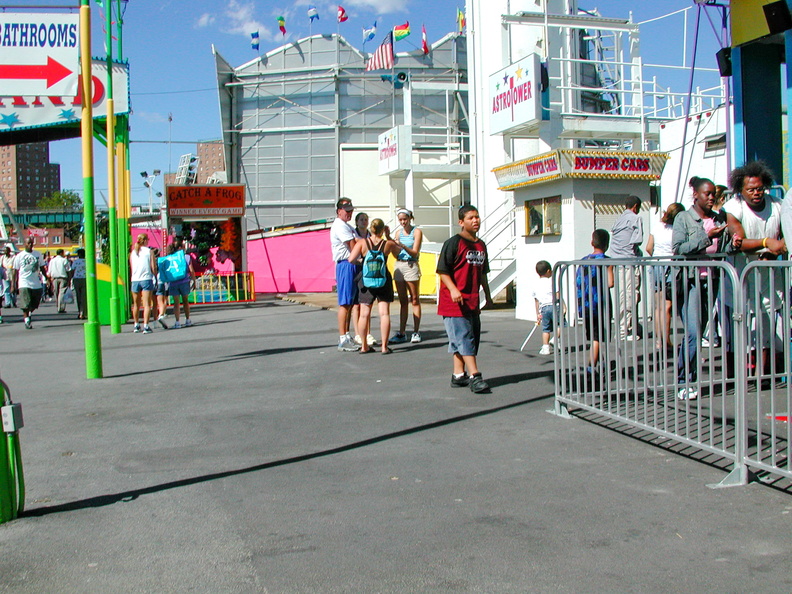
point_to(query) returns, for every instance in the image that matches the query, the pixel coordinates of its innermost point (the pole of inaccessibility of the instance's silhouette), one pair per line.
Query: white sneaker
(687, 394)
(358, 340)
(546, 350)
(370, 339)
(416, 337)
(187, 323)
(177, 325)
(552, 341)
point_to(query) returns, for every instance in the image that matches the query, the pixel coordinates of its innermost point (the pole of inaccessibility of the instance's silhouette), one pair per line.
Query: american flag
(383, 57)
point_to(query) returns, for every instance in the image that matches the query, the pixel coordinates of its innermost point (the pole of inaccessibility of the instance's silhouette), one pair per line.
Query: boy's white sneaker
(546, 350)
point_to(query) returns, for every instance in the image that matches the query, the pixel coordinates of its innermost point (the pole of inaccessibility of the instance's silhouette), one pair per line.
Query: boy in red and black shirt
(463, 266)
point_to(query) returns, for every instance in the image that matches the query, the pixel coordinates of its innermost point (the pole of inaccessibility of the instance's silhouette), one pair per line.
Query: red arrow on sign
(53, 72)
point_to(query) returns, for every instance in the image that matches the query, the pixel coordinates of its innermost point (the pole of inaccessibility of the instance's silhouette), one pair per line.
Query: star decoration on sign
(9, 120)
(518, 72)
(67, 114)
(497, 86)
(506, 79)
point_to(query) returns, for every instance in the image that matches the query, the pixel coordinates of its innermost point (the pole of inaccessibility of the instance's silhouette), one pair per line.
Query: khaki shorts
(408, 270)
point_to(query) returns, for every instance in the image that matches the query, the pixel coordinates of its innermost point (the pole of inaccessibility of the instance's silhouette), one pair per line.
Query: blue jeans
(691, 310)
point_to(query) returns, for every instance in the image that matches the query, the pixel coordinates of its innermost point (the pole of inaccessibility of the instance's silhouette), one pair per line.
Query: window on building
(57, 241)
(543, 216)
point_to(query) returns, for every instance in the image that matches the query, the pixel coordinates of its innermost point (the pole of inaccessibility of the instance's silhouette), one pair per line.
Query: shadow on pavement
(261, 353)
(126, 496)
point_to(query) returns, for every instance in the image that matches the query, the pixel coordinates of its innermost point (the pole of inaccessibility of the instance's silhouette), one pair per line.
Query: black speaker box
(778, 17)
(724, 61)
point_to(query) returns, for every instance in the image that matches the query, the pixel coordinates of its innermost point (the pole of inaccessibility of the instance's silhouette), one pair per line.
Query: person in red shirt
(463, 266)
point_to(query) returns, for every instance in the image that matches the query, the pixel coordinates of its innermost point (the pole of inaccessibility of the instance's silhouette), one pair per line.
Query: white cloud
(152, 117)
(205, 20)
(240, 20)
(379, 6)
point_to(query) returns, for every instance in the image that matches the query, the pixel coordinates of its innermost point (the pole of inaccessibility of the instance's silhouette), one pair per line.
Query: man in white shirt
(342, 239)
(59, 271)
(7, 261)
(27, 268)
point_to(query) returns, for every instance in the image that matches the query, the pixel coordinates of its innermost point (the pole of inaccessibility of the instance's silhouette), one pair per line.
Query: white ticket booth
(564, 195)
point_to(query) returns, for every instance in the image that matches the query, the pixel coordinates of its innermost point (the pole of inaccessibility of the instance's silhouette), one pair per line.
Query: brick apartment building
(26, 175)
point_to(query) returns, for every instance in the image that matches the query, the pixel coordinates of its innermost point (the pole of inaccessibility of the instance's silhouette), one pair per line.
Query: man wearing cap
(342, 239)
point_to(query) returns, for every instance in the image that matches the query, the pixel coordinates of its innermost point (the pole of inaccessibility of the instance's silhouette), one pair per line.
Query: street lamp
(149, 183)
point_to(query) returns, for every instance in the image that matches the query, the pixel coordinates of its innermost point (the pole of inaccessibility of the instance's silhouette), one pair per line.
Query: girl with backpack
(375, 281)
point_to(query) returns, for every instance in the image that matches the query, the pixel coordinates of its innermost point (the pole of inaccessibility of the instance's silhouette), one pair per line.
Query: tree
(66, 200)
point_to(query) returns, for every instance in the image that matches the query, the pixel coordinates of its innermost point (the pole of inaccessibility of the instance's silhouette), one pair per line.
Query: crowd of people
(29, 277)
(363, 276)
(744, 228)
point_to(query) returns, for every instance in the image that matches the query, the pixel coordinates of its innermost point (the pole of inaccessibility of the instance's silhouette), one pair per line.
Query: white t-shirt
(29, 265)
(340, 233)
(140, 264)
(543, 291)
(59, 267)
(662, 240)
(757, 225)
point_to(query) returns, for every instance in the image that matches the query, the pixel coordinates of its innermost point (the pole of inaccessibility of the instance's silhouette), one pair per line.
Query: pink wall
(299, 263)
(155, 237)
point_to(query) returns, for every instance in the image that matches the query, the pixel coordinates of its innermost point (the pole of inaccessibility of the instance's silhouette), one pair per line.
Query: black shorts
(596, 328)
(367, 295)
(29, 299)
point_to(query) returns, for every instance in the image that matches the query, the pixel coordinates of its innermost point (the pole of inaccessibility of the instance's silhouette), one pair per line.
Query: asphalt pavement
(246, 454)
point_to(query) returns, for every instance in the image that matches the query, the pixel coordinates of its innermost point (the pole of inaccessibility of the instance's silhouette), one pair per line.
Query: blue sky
(168, 44)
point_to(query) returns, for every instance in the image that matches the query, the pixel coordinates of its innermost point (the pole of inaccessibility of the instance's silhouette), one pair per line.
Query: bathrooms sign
(39, 53)
(514, 96)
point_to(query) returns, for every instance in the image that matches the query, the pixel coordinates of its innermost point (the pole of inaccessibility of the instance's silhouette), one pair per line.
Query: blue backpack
(375, 272)
(172, 268)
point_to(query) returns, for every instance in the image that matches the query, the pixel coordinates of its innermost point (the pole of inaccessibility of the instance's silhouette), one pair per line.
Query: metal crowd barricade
(768, 391)
(672, 375)
(224, 287)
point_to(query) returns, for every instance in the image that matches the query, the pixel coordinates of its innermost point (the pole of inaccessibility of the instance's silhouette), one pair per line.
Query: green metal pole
(124, 238)
(93, 337)
(115, 305)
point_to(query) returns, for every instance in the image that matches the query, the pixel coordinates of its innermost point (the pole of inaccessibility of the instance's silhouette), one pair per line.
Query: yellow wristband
(764, 242)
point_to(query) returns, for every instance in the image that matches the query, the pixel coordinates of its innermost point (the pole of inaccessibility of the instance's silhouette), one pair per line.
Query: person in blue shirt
(593, 296)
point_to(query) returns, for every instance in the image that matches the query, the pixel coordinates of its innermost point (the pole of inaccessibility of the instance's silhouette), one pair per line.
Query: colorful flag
(254, 40)
(368, 34)
(282, 24)
(424, 45)
(401, 31)
(383, 57)
(461, 21)
(342, 15)
(313, 13)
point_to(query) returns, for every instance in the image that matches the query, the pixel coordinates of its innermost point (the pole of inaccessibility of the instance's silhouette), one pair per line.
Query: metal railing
(224, 287)
(698, 354)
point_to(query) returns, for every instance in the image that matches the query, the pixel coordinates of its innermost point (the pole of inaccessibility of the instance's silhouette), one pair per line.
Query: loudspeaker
(544, 77)
(724, 61)
(777, 17)
(401, 76)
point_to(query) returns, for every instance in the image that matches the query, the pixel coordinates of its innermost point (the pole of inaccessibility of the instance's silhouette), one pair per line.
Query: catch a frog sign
(581, 164)
(514, 94)
(208, 201)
